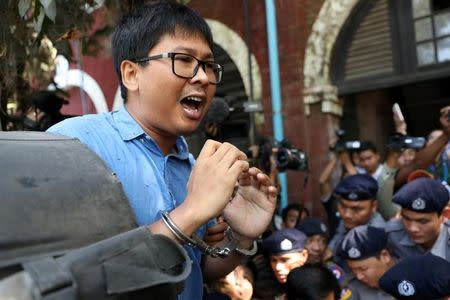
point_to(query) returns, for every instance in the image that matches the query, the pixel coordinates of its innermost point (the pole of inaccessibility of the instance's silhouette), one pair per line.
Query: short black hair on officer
(417, 278)
(423, 195)
(367, 145)
(140, 30)
(362, 242)
(293, 206)
(311, 282)
(357, 187)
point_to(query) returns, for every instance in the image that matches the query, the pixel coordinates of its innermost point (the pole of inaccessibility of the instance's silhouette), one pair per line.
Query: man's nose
(279, 266)
(201, 75)
(346, 213)
(413, 227)
(359, 276)
(315, 246)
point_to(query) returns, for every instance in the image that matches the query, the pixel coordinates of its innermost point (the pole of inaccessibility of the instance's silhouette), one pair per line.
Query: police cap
(422, 195)
(418, 277)
(312, 226)
(284, 241)
(362, 242)
(357, 187)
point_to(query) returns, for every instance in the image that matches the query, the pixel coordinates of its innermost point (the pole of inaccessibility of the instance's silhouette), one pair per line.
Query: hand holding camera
(445, 120)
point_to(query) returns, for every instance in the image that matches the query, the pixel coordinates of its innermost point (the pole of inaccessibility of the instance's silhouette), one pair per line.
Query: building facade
(343, 63)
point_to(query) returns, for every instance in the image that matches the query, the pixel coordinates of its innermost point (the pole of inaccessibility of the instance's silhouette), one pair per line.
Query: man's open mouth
(191, 103)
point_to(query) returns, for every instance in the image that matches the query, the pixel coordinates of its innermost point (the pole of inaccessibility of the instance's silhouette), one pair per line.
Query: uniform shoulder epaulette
(394, 225)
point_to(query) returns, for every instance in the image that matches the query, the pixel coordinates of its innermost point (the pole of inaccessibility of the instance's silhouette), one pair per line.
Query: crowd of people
(387, 234)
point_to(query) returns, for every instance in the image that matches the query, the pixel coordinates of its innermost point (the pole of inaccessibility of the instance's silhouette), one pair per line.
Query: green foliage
(30, 33)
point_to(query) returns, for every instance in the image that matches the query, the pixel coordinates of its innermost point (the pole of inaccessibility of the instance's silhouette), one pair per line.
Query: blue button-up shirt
(153, 182)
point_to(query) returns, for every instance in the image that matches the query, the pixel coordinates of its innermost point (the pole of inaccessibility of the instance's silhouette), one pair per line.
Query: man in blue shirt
(163, 57)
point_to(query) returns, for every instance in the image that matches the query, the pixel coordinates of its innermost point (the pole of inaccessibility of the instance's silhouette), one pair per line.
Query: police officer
(317, 238)
(357, 205)
(286, 250)
(422, 227)
(418, 278)
(318, 252)
(364, 250)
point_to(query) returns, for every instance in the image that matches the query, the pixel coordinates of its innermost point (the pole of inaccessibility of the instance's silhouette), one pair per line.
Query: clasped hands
(218, 169)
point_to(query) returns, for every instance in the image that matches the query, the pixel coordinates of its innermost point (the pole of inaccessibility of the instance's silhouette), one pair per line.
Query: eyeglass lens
(187, 66)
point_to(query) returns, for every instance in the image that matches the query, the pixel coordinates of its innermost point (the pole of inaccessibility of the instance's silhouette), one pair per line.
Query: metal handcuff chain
(195, 241)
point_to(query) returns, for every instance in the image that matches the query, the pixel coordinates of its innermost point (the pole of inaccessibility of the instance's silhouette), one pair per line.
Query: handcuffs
(195, 241)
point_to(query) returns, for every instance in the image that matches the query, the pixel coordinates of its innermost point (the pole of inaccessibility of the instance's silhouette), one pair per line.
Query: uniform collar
(405, 240)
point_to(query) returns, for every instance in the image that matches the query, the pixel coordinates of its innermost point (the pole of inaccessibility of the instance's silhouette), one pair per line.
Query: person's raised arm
(427, 155)
(324, 179)
(344, 157)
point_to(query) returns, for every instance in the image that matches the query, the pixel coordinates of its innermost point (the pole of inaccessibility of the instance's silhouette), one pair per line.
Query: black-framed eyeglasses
(186, 66)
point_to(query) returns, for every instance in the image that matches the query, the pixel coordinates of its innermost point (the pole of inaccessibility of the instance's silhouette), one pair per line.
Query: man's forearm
(423, 158)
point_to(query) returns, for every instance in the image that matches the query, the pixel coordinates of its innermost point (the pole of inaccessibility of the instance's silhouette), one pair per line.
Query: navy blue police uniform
(314, 226)
(424, 277)
(363, 242)
(283, 241)
(358, 187)
(422, 195)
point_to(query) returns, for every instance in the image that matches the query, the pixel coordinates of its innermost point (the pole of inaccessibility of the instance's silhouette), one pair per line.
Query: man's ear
(374, 205)
(446, 212)
(129, 71)
(385, 256)
(305, 254)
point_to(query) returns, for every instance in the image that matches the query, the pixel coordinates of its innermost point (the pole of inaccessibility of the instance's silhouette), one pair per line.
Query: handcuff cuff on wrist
(195, 241)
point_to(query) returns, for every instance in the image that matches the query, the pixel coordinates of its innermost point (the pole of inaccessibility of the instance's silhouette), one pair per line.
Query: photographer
(427, 155)
(262, 156)
(440, 168)
(339, 167)
(398, 151)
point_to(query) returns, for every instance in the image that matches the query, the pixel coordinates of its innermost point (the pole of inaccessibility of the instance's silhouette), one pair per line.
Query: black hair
(293, 206)
(367, 145)
(140, 30)
(311, 282)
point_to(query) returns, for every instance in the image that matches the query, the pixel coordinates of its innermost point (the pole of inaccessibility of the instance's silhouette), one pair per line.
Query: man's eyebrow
(193, 51)
(418, 219)
(349, 205)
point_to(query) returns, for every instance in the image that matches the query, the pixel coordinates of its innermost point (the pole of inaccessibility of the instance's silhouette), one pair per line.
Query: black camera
(286, 157)
(291, 159)
(343, 145)
(401, 142)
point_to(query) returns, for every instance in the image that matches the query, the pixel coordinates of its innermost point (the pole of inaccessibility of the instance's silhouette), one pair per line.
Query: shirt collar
(129, 129)
(127, 126)
(378, 171)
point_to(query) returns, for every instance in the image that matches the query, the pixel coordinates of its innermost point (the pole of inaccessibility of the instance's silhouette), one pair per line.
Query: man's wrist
(244, 245)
